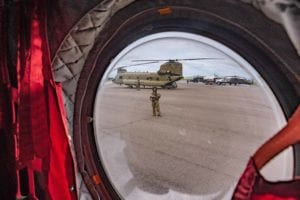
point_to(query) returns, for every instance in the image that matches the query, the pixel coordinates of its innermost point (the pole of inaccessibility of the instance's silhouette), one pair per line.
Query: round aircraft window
(175, 97)
(177, 115)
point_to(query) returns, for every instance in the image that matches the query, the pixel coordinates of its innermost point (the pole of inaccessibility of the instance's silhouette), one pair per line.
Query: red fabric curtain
(7, 146)
(39, 129)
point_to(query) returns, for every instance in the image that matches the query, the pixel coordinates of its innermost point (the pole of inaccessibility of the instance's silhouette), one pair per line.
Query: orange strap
(287, 136)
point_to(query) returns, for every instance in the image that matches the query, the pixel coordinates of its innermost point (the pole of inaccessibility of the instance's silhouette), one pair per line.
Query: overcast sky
(180, 48)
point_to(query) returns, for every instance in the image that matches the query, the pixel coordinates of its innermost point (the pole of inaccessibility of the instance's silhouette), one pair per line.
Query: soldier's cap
(154, 88)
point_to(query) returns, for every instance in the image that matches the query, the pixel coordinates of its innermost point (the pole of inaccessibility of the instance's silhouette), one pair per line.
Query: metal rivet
(89, 119)
(72, 188)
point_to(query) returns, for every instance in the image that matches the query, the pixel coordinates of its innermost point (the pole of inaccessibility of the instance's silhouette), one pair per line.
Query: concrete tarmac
(197, 149)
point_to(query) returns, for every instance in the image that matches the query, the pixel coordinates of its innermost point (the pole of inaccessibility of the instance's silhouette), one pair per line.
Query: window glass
(215, 111)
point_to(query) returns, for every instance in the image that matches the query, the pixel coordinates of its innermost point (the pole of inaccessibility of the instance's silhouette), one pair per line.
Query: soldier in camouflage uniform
(154, 98)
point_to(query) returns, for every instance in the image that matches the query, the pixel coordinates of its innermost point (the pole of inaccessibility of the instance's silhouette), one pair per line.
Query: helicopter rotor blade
(199, 59)
(145, 63)
(157, 60)
(131, 65)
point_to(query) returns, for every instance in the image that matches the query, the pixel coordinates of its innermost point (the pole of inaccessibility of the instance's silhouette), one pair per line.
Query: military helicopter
(165, 77)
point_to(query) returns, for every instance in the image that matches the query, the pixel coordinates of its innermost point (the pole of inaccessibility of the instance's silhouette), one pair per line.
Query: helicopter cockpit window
(192, 138)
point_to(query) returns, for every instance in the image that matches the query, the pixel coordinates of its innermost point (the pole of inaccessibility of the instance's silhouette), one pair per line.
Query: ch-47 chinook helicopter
(165, 77)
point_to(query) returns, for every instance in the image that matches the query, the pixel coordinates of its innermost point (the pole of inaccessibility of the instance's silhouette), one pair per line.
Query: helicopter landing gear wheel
(174, 85)
(171, 86)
